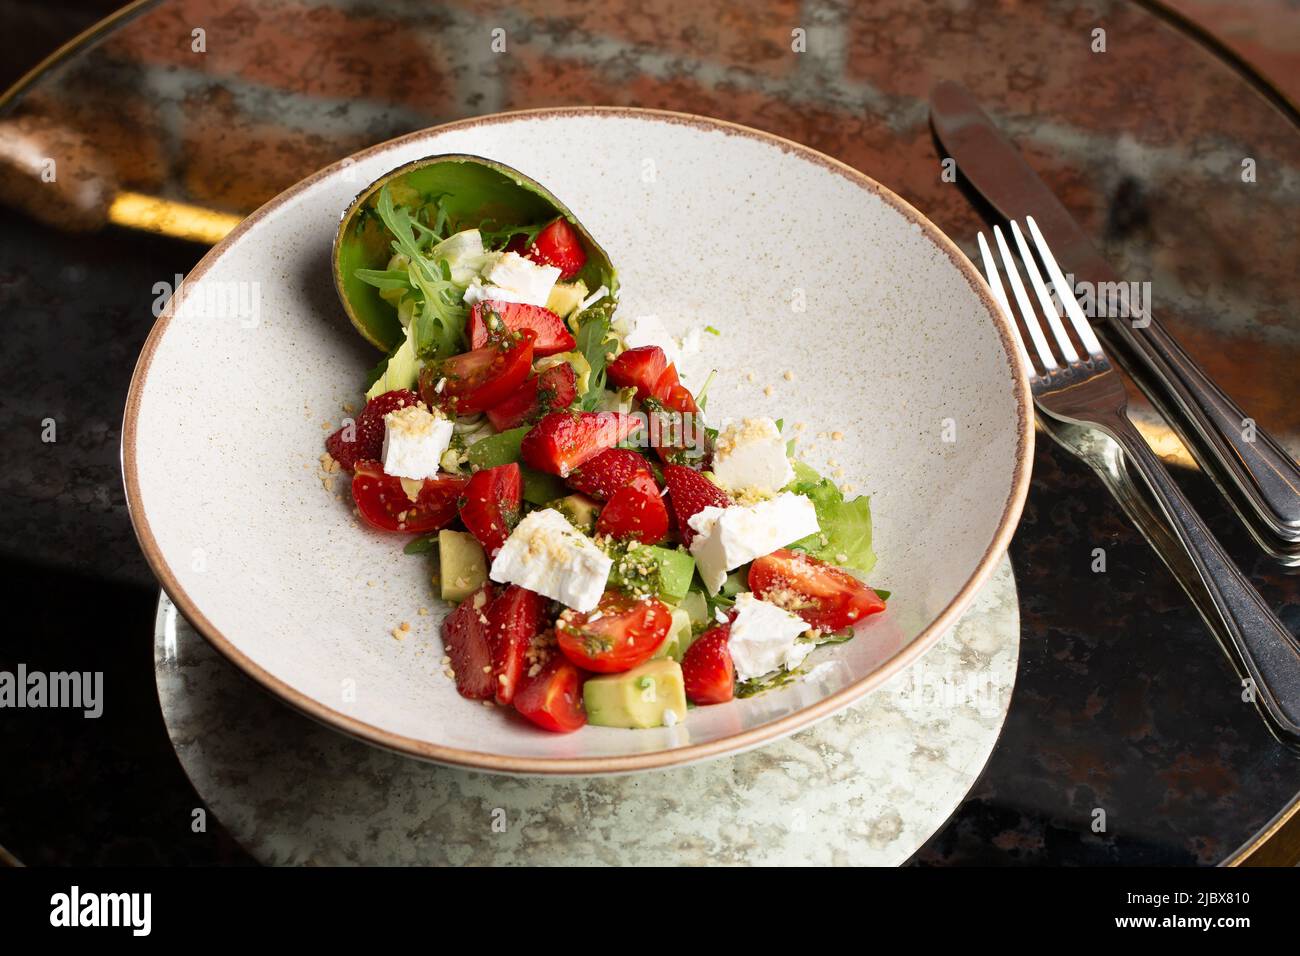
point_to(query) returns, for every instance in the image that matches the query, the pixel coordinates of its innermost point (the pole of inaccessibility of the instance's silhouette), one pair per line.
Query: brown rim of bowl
(735, 743)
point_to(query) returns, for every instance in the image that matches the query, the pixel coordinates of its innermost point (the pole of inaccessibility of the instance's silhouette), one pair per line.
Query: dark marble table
(1123, 701)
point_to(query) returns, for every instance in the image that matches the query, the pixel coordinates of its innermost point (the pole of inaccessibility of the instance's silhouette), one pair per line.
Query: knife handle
(1213, 425)
(1270, 653)
(1104, 455)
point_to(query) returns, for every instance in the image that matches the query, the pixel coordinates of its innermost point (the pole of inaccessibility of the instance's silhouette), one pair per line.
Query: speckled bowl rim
(497, 763)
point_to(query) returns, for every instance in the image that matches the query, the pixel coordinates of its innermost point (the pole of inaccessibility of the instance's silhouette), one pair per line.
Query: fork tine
(1022, 300)
(1000, 294)
(1044, 299)
(1082, 327)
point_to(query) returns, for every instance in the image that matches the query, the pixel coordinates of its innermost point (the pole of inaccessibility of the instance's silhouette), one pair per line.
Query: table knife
(1254, 471)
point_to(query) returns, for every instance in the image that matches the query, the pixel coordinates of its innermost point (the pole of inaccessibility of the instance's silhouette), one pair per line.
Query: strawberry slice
(558, 245)
(514, 619)
(690, 492)
(611, 471)
(493, 318)
(634, 513)
(552, 390)
(364, 438)
(562, 441)
(489, 507)
(640, 368)
(552, 698)
(465, 637)
(708, 674)
(672, 394)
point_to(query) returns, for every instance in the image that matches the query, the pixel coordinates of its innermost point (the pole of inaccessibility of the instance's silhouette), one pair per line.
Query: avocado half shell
(474, 191)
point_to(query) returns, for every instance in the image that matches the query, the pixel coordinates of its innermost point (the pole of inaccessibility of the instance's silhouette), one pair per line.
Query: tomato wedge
(489, 507)
(552, 390)
(558, 245)
(480, 378)
(621, 633)
(383, 500)
(823, 595)
(635, 513)
(562, 441)
(552, 698)
(492, 318)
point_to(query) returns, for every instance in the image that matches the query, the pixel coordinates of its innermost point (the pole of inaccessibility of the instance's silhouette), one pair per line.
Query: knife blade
(1256, 474)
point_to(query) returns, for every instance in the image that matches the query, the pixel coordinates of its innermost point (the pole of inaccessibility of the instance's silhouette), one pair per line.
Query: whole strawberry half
(364, 439)
(689, 493)
(609, 472)
(708, 674)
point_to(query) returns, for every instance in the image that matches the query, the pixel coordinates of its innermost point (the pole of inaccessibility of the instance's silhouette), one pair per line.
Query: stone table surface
(865, 787)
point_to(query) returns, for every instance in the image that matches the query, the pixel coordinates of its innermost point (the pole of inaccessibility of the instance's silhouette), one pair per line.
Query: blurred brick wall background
(1266, 33)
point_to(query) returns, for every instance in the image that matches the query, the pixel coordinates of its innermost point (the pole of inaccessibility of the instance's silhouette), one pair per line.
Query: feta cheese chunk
(749, 456)
(509, 277)
(414, 440)
(547, 554)
(726, 538)
(646, 330)
(763, 638)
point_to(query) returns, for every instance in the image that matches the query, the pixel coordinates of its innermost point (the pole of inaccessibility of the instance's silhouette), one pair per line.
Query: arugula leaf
(845, 537)
(385, 278)
(439, 326)
(593, 330)
(494, 239)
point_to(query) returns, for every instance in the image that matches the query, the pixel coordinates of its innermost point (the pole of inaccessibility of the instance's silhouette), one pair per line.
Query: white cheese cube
(646, 330)
(763, 638)
(749, 456)
(414, 441)
(726, 538)
(546, 554)
(509, 277)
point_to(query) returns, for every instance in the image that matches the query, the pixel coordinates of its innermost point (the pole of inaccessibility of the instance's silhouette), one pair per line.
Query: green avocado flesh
(680, 636)
(580, 510)
(462, 565)
(666, 571)
(636, 698)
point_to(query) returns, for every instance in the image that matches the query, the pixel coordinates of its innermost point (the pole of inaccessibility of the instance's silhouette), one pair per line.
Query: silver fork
(1081, 388)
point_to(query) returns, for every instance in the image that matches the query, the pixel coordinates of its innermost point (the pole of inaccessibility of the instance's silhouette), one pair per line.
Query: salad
(611, 555)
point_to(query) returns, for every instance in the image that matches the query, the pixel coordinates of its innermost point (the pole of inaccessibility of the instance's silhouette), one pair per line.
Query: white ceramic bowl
(804, 265)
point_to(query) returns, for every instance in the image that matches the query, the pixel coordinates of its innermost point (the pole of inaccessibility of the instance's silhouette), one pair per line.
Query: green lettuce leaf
(845, 537)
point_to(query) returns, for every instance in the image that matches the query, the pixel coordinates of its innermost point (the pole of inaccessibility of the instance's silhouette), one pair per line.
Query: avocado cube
(580, 510)
(676, 568)
(566, 297)
(637, 698)
(462, 564)
(680, 636)
(697, 607)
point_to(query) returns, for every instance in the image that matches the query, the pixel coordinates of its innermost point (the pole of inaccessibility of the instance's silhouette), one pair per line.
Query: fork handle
(1214, 424)
(1266, 648)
